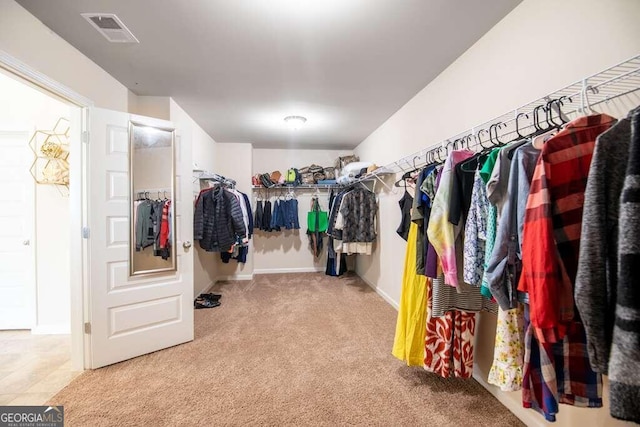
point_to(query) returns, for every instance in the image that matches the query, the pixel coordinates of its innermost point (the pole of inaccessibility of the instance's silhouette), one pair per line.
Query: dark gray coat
(624, 362)
(218, 222)
(597, 277)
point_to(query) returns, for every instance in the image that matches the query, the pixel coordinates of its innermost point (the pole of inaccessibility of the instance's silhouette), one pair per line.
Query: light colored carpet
(294, 349)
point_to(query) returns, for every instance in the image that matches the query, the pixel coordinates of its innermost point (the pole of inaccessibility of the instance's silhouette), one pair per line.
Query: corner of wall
(158, 107)
(132, 102)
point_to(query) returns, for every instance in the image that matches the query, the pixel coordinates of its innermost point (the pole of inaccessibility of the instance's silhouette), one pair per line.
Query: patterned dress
(508, 356)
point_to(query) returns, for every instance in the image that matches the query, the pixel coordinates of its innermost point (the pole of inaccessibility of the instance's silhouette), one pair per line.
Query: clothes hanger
(542, 134)
(466, 140)
(560, 103)
(494, 143)
(518, 124)
(593, 90)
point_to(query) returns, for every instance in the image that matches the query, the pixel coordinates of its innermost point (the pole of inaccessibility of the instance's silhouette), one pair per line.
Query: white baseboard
(235, 277)
(528, 416)
(206, 289)
(288, 270)
(57, 329)
(382, 293)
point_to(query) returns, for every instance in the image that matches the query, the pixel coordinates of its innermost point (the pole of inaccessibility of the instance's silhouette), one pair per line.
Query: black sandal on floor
(211, 297)
(205, 303)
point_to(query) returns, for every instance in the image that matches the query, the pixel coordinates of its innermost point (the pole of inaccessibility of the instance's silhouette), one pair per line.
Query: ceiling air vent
(111, 27)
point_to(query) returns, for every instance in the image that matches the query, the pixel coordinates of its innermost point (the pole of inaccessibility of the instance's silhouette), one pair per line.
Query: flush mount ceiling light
(295, 122)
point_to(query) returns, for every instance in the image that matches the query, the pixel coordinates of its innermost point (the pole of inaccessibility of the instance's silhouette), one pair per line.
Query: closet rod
(620, 80)
(204, 175)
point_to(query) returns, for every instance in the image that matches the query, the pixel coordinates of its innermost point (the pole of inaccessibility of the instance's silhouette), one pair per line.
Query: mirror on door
(152, 164)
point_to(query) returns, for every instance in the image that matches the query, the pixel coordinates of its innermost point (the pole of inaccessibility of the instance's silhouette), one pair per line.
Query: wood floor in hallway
(33, 368)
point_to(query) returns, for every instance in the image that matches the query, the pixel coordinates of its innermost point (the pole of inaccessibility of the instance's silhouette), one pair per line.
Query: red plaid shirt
(553, 221)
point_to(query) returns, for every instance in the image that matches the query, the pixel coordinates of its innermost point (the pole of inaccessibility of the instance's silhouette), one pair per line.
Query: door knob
(186, 244)
(26, 242)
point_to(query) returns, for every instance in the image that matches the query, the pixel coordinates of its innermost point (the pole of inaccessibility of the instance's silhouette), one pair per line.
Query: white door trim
(77, 198)
(33, 76)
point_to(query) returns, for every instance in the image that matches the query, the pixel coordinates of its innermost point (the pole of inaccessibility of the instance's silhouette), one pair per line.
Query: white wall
(24, 108)
(203, 154)
(539, 47)
(158, 107)
(25, 38)
(289, 250)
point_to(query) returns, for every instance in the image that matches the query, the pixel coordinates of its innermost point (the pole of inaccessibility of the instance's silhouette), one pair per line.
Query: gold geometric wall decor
(51, 151)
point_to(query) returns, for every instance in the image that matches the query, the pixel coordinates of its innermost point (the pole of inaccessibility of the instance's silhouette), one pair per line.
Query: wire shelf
(597, 90)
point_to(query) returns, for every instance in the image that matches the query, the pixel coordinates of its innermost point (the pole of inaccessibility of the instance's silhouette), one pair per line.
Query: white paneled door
(17, 258)
(132, 316)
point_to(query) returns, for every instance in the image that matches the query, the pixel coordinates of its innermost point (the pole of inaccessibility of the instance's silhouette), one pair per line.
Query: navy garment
(290, 209)
(266, 217)
(332, 255)
(275, 218)
(259, 214)
(241, 257)
(249, 213)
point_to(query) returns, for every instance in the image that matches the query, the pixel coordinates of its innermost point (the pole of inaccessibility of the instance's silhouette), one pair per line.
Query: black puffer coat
(217, 221)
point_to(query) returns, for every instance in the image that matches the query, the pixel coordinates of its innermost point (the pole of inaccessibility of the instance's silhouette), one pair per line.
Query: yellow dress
(408, 344)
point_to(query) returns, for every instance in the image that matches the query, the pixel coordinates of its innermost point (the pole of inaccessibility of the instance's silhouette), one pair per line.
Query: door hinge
(85, 136)
(87, 328)
(85, 232)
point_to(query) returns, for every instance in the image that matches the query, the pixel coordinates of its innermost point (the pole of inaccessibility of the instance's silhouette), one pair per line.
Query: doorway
(35, 266)
(116, 315)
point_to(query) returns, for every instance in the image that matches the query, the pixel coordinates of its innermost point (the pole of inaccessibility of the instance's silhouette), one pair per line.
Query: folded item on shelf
(354, 168)
(343, 161)
(343, 180)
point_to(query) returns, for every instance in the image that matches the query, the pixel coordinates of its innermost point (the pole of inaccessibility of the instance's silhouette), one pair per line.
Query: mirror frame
(174, 265)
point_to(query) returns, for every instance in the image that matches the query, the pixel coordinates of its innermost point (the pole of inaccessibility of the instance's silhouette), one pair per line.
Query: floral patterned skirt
(449, 342)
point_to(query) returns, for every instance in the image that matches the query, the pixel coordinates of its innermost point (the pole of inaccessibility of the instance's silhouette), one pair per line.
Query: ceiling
(238, 67)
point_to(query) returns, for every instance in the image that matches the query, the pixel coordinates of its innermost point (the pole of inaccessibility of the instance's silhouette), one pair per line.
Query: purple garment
(431, 261)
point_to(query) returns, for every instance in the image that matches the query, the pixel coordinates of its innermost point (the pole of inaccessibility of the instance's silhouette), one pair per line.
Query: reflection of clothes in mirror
(152, 219)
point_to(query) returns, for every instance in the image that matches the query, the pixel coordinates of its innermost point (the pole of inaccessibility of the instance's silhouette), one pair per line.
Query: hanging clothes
(597, 276)
(462, 296)
(428, 187)
(448, 345)
(145, 218)
(508, 357)
(250, 223)
(549, 268)
(405, 211)
(421, 208)
(505, 264)
(218, 220)
(336, 260)
(550, 247)
(164, 243)
(492, 217)
(475, 233)
(503, 270)
(624, 372)
(442, 234)
(316, 236)
(359, 208)
(267, 215)
(257, 223)
(408, 344)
